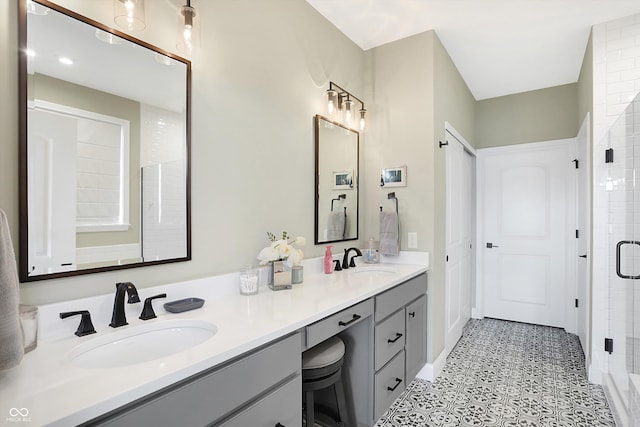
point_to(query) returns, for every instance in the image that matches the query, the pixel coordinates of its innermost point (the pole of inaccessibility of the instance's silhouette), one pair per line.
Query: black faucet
(118, 318)
(85, 327)
(345, 260)
(147, 310)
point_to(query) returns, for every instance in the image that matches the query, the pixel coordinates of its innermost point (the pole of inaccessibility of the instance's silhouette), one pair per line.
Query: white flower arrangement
(282, 249)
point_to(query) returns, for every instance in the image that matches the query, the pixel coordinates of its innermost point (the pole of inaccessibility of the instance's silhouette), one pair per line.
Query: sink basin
(373, 271)
(143, 343)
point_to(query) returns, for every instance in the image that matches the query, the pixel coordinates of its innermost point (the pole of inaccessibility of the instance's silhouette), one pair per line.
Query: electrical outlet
(412, 240)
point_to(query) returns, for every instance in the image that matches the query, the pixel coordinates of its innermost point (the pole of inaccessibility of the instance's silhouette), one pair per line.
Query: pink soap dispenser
(328, 260)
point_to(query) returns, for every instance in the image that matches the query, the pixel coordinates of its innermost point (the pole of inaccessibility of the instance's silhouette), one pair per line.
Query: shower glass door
(623, 159)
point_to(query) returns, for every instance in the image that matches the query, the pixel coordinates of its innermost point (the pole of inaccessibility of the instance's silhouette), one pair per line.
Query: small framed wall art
(394, 177)
(342, 180)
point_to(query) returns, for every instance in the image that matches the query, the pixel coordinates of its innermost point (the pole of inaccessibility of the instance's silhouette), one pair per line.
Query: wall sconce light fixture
(341, 102)
(129, 14)
(188, 29)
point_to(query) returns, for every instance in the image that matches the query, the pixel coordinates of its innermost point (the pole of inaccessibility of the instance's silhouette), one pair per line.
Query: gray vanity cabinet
(259, 389)
(400, 348)
(416, 338)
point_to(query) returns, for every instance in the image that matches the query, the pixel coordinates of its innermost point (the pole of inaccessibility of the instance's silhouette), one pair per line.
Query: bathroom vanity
(248, 372)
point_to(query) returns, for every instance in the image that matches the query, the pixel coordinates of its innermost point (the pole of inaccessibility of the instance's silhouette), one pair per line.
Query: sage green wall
(414, 88)
(61, 92)
(538, 115)
(585, 86)
(257, 82)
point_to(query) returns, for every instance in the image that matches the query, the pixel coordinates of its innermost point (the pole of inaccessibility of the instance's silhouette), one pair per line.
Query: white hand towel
(335, 226)
(11, 340)
(389, 234)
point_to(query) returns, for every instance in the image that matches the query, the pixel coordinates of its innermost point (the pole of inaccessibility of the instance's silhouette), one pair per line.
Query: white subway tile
(631, 52)
(620, 65)
(620, 44)
(621, 22)
(613, 34)
(621, 87)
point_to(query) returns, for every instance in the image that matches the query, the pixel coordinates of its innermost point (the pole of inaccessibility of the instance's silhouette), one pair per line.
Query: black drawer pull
(398, 382)
(412, 314)
(353, 319)
(279, 425)
(398, 336)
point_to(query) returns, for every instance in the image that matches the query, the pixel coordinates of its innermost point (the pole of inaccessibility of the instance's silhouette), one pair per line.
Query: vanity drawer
(280, 407)
(390, 338)
(389, 383)
(393, 299)
(333, 325)
(209, 396)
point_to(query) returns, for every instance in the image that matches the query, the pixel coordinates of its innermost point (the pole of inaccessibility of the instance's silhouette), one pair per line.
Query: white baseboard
(430, 371)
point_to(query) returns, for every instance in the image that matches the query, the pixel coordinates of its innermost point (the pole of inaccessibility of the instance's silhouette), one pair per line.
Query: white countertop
(56, 393)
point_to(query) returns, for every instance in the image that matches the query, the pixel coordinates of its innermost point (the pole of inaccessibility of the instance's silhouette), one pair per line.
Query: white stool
(322, 368)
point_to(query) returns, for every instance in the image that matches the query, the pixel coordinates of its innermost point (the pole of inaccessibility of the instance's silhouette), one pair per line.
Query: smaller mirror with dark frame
(336, 186)
(104, 147)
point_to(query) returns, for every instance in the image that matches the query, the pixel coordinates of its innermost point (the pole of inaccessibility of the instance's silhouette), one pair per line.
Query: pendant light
(188, 38)
(332, 103)
(341, 107)
(348, 112)
(129, 14)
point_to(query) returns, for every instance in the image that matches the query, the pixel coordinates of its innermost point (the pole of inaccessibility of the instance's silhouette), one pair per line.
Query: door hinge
(576, 302)
(608, 155)
(577, 234)
(576, 161)
(608, 345)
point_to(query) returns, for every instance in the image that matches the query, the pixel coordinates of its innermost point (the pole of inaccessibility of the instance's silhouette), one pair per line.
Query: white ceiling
(500, 47)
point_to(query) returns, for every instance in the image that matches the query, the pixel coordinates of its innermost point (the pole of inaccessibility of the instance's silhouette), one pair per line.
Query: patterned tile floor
(506, 374)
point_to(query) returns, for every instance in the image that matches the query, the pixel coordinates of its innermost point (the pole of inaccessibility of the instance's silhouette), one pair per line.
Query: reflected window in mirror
(336, 186)
(104, 137)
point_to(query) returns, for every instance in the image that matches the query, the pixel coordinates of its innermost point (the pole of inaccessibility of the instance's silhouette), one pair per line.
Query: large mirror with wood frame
(104, 148)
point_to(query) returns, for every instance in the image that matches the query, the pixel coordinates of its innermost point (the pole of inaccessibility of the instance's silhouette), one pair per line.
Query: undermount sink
(373, 271)
(142, 343)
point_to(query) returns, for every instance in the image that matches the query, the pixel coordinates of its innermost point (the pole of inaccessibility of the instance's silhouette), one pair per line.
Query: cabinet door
(416, 338)
(279, 408)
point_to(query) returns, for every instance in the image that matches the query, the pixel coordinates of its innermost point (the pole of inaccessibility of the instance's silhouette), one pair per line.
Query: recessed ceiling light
(30, 52)
(66, 61)
(107, 37)
(163, 59)
(36, 9)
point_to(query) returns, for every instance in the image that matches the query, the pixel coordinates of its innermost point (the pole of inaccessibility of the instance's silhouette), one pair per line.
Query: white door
(52, 192)
(583, 283)
(528, 192)
(458, 234)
